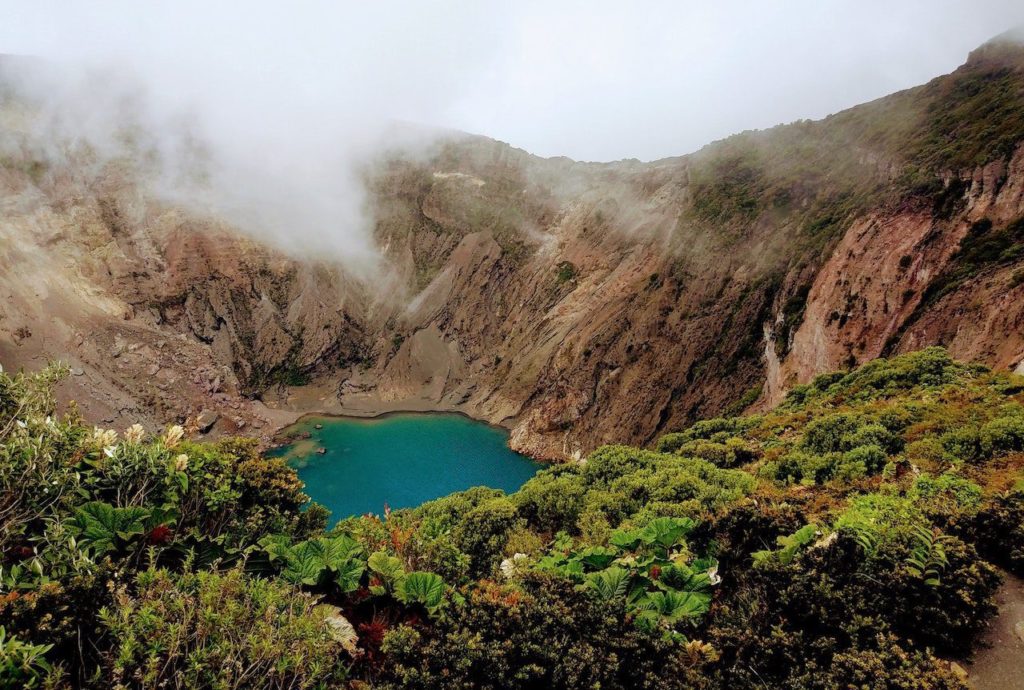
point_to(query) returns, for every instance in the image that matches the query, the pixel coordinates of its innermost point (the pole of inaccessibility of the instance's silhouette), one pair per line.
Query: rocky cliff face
(889, 284)
(576, 303)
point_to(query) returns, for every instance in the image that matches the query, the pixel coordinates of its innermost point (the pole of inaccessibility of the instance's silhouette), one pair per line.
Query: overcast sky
(590, 79)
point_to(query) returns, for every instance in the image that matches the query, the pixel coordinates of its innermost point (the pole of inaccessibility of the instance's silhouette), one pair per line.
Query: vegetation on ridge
(851, 536)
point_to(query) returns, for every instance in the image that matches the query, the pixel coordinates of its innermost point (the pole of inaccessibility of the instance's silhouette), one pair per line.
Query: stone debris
(206, 420)
(117, 349)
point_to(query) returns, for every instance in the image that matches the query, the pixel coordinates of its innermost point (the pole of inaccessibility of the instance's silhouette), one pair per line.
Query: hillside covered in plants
(851, 537)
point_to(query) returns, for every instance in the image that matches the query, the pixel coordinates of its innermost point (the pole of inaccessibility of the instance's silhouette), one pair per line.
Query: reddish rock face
(579, 304)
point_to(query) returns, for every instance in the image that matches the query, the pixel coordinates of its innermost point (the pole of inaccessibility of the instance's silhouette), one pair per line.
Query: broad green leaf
(625, 539)
(422, 588)
(319, 561)
(676, 606)
(277, 546)
(336, 550)
(598, 557)
(303, 564)
(388, 568)
(666, 531)
(347, 575)
(612, 583)
(684, 578)
(104, 527)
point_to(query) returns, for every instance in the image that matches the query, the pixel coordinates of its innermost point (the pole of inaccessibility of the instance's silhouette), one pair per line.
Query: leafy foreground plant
(212, 629)
(649, 570)
(844, 539)
(22, 665)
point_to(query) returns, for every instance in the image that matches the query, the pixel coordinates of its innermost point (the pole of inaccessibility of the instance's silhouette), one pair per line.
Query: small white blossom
(173, 435)
(181, 463)
(22, 424)
(104, 437)
(510, 566)
(134, 433)
(713, 575)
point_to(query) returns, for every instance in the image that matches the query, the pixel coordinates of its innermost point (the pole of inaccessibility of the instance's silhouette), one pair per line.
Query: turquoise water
(400, 460)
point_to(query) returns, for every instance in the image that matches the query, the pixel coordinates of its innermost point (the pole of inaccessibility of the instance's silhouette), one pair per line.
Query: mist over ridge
(268, 118)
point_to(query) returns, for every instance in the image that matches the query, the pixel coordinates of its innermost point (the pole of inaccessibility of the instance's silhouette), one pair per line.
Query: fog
(281, 103)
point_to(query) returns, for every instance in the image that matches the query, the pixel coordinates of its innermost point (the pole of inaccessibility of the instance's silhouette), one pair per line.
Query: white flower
(173, 435)
(134, 433)
(713, 575)
(22, 424)
(508, 569)
(181, 463)
(104, 437)
(510, 566)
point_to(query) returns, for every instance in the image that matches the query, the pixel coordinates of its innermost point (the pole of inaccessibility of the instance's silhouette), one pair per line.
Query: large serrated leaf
(422, 588)
(103, 527)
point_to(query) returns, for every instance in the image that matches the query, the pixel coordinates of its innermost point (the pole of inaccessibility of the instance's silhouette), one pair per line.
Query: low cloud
(266, 113)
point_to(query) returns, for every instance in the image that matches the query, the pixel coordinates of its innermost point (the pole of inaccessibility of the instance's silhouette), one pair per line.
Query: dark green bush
(544, 634)
(483, 532)
(999, 531)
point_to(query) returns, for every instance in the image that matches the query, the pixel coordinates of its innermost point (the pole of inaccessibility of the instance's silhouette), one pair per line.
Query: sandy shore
(285, 407)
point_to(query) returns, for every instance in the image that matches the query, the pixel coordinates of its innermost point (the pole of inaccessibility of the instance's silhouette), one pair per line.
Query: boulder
(206, 420)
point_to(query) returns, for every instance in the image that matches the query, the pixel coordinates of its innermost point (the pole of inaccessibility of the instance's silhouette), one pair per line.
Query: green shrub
(542, 632)
(733, 452)
(998, 530)
(22, 665)
(948, 494)
(868, 459)
(873, 435)
(963, 445)
(219, 630)
(552, 500)
(1004, 434)
(484, 531)
(718, 429)
(829, 434)
(445, 513)
(885, 378)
